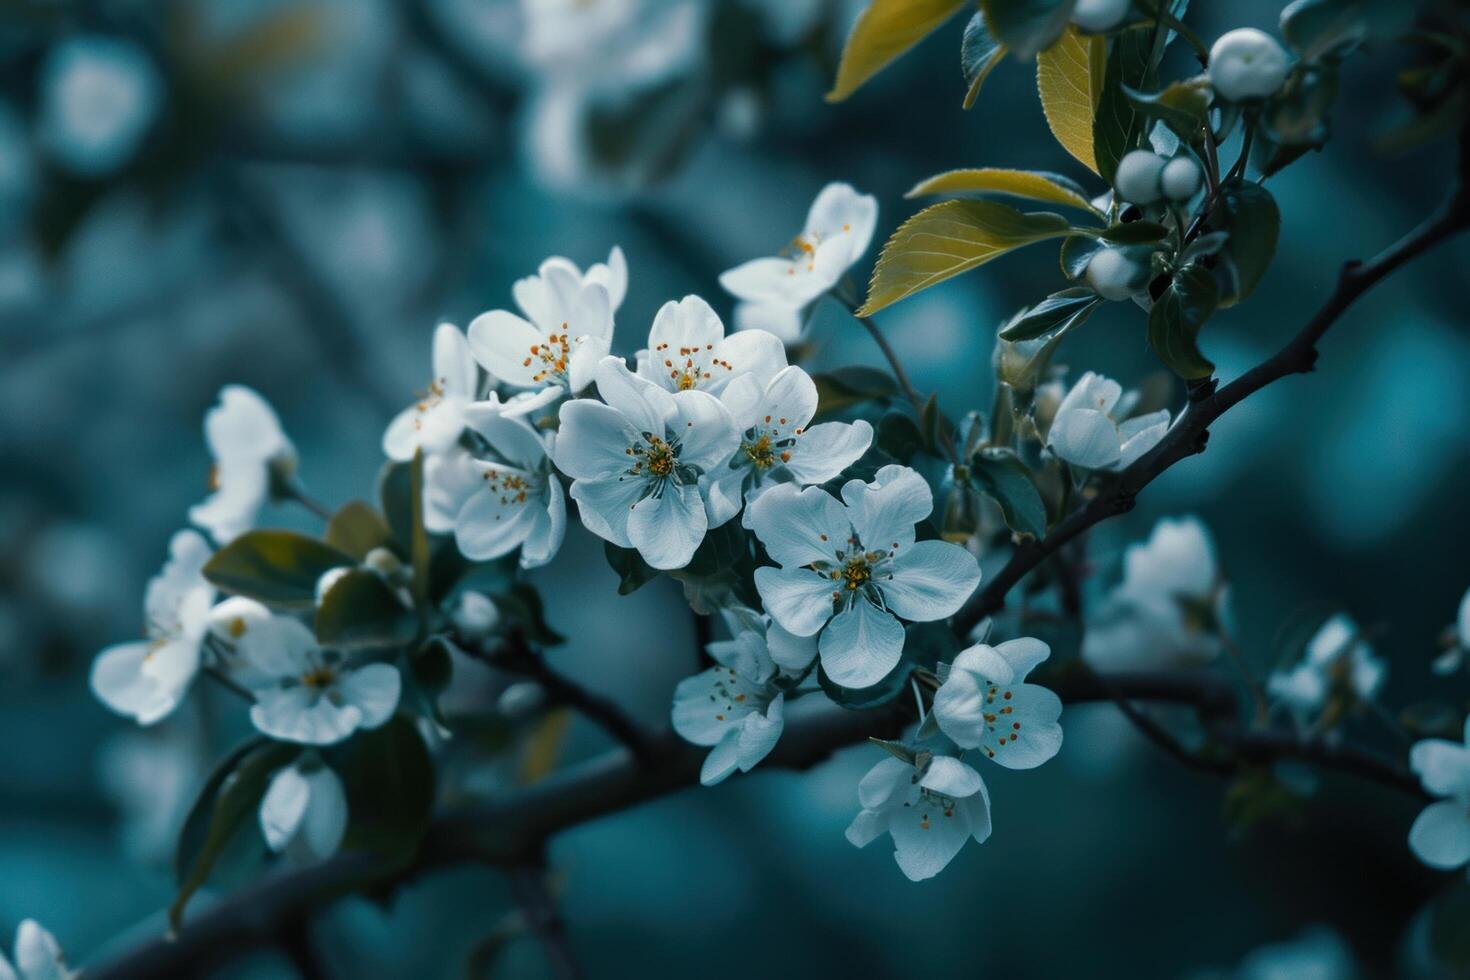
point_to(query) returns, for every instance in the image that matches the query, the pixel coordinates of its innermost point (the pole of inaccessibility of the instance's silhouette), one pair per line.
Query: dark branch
(533, 896)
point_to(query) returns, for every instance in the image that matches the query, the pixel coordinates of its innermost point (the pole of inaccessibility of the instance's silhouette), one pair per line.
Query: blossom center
(319, 678)
(552, 354)
(511, 487)
(689, 367)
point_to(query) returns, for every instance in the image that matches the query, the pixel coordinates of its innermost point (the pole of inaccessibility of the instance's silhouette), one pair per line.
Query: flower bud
(328, 579)
(1099, 15)
(475, 616)
(1180, 179)
(236, 616)
(1137, 179)
(520, 699)
(1114, 275)
(1247, 64)
(383, 561)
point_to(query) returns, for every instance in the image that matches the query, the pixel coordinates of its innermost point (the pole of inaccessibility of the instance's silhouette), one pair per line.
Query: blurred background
(291, 194)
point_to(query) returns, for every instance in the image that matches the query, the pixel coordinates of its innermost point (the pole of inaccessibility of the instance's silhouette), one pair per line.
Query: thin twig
(533, 897)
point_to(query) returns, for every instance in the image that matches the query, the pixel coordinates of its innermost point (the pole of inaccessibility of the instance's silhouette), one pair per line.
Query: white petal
(667, 528)
(1023, 654)
(703, 713)
(706, 435)
(797, 598)
(797, 526)
(118, 681)
(771, 281)
(866, 827)
(243, 427)
(754, 352)
(822, 452)
(1462, 621)
(959, 707)
(775, 318)
(646, 407)
(1440, 836)
(885, 511)
(326, 815)
(283, 807)
(297, 714)
(840, 212)
(454, 365)
(926, 837)
(760, 732)
(986, 662)
(232, 509)
(373, 690)
(613, 277)
(512, 437)
(1085, 438)
(861, 645)
(788, 651)
(722, 760)
(606, 505)
(888, 781)
(929, 580)
(502, 343)
(686, 325)
(37, 953)
(1037, 739)
(546, 537)
(594, 441)
(495, 521)
(1139, 435)
(1092, 392)
(1443, 767)
(450, 479)
(950, 777)
(583, 359)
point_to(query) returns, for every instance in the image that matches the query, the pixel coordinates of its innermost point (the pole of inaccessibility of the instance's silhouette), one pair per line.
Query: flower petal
(495, 521)
(822, 452)
(502, 342)
(546, 536)
(861, 645)
(926, 837)
(594, 441)
(929, 580)
(667, 528)
(606, 505)
(797, 598)
(886, 782)
(1442, 766)
(885, 511)
(374, 690)
(454, 365)
(1440, 836)
(799, 527)
(647, 407)
(283, 807)
(950, 777)
(1085, 438)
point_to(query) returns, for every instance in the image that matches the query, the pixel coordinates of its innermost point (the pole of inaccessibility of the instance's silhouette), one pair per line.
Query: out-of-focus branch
(533, 896)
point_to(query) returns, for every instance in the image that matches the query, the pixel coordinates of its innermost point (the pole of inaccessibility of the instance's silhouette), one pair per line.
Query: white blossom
(1440, 836)
(1096, 16)
(1247, 63)
(1338, 661)
(930, 808)
(99, 96)
(636, 463)
(1164, 611)
(856, 563)
(985, 704)
(37, 956)
(435, 420)
(146, 680)
(303, 813)
(777, 442)
(688, 350)
(250, 452)
(1091, 429)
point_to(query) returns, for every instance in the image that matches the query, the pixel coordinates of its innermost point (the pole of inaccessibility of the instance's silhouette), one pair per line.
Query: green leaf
(979, 54)
(898, 435)
(1050, 313)
(395, 497)
(357, 528)
(1077, 252)
(950, 238)
(1319, 28)
(521, 605)
(1069, 79)
(934, 425)
(196, 823)
(849, 386)
(896, 749)
(1134, 233)
(232, 800)
(419, 535)
(633, 571)
(1033, 184)
(1176, 318)
(1026, 26)
(275, 567)
(1117, 126)
(1249, 214)
(389, 779)
(361, 610)
(1000, 474)
(885, 30)
(1184, 106)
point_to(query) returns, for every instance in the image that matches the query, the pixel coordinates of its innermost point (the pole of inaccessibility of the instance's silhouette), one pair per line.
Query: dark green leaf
(1118, 126)
(979, 54)
(935, 426)
(1077, 251)
(395, 496)
(1184, 106)
(418, 534)
(521, 605)
(196, 823)
(357, 528)
(1050, 313)
(633, 571)
(1321, 28)
(1026, 26)
(1135, 233)
(361, 610)
(898, 435)
(927, 644)
(278, 567)
(1000, 474)
(1249, 214)
(389, 779)
(1175, 320)
(849, 386)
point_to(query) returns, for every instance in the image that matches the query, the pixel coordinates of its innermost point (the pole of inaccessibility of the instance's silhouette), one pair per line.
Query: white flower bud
(1116, 276)
(1180, 179)
(475, 615)
(329, 578)
(236, 616)
(520, 699)
(1099, 15)
(1137, 179)
(383, 561)
(1247, 64)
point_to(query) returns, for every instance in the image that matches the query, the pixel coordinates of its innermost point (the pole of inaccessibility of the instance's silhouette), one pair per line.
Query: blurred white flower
(1338, 663)
(930, 807)
(984, 703)
(688, 350)
(1440, 836)
(1317, 954)
(250, 452)
(1166, 609)
(146, 680)
(37, 956)
(1091, 429)
(475, 615)
(304, 812)
(435, 421)
(1451, 660)
(99, 96)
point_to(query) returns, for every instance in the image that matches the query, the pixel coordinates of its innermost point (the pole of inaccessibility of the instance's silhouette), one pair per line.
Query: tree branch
(533, 896)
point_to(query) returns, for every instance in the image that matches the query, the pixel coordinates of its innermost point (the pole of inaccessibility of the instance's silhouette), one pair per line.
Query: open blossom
(930, 807)
(688, 349)
(1090, 429)
(1339, 662)
(495, 506)
(37, 956)
(737, 707)
(249, 449)
(1166, 610)
(434, 422)
(302, 692)
(984, 703)
(776, 444)
(1440, 836)
(566, 330)
(636, 463)
(303, 813)
(146, 680)
(856, 563)
(838, 229)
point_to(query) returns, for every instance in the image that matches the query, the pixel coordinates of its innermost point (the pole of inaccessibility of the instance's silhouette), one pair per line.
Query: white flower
(1317, 954)
(838, 229)
(250, 450)
(1247, 64)
(567, 330)
(1097, 16)
(1085, 433)
(1163, 612)
(146, 680)
(737, 707)
(983, 703)
(1440, 836)
(1338, 661)
(304, 813)
(306, 694)
(37, 956)
(859, 566)
(475, 615)
(930, 810)
(494, 507)
(783, 321)
(688, 350)
(99, 97)
(636, 463)
(435, 421)
(1450, 661)
(776, 446)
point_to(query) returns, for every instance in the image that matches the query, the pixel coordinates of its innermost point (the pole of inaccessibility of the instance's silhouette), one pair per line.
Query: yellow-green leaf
(941, 242)
(884, 31)
(1033, 184)
(1069, 78)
